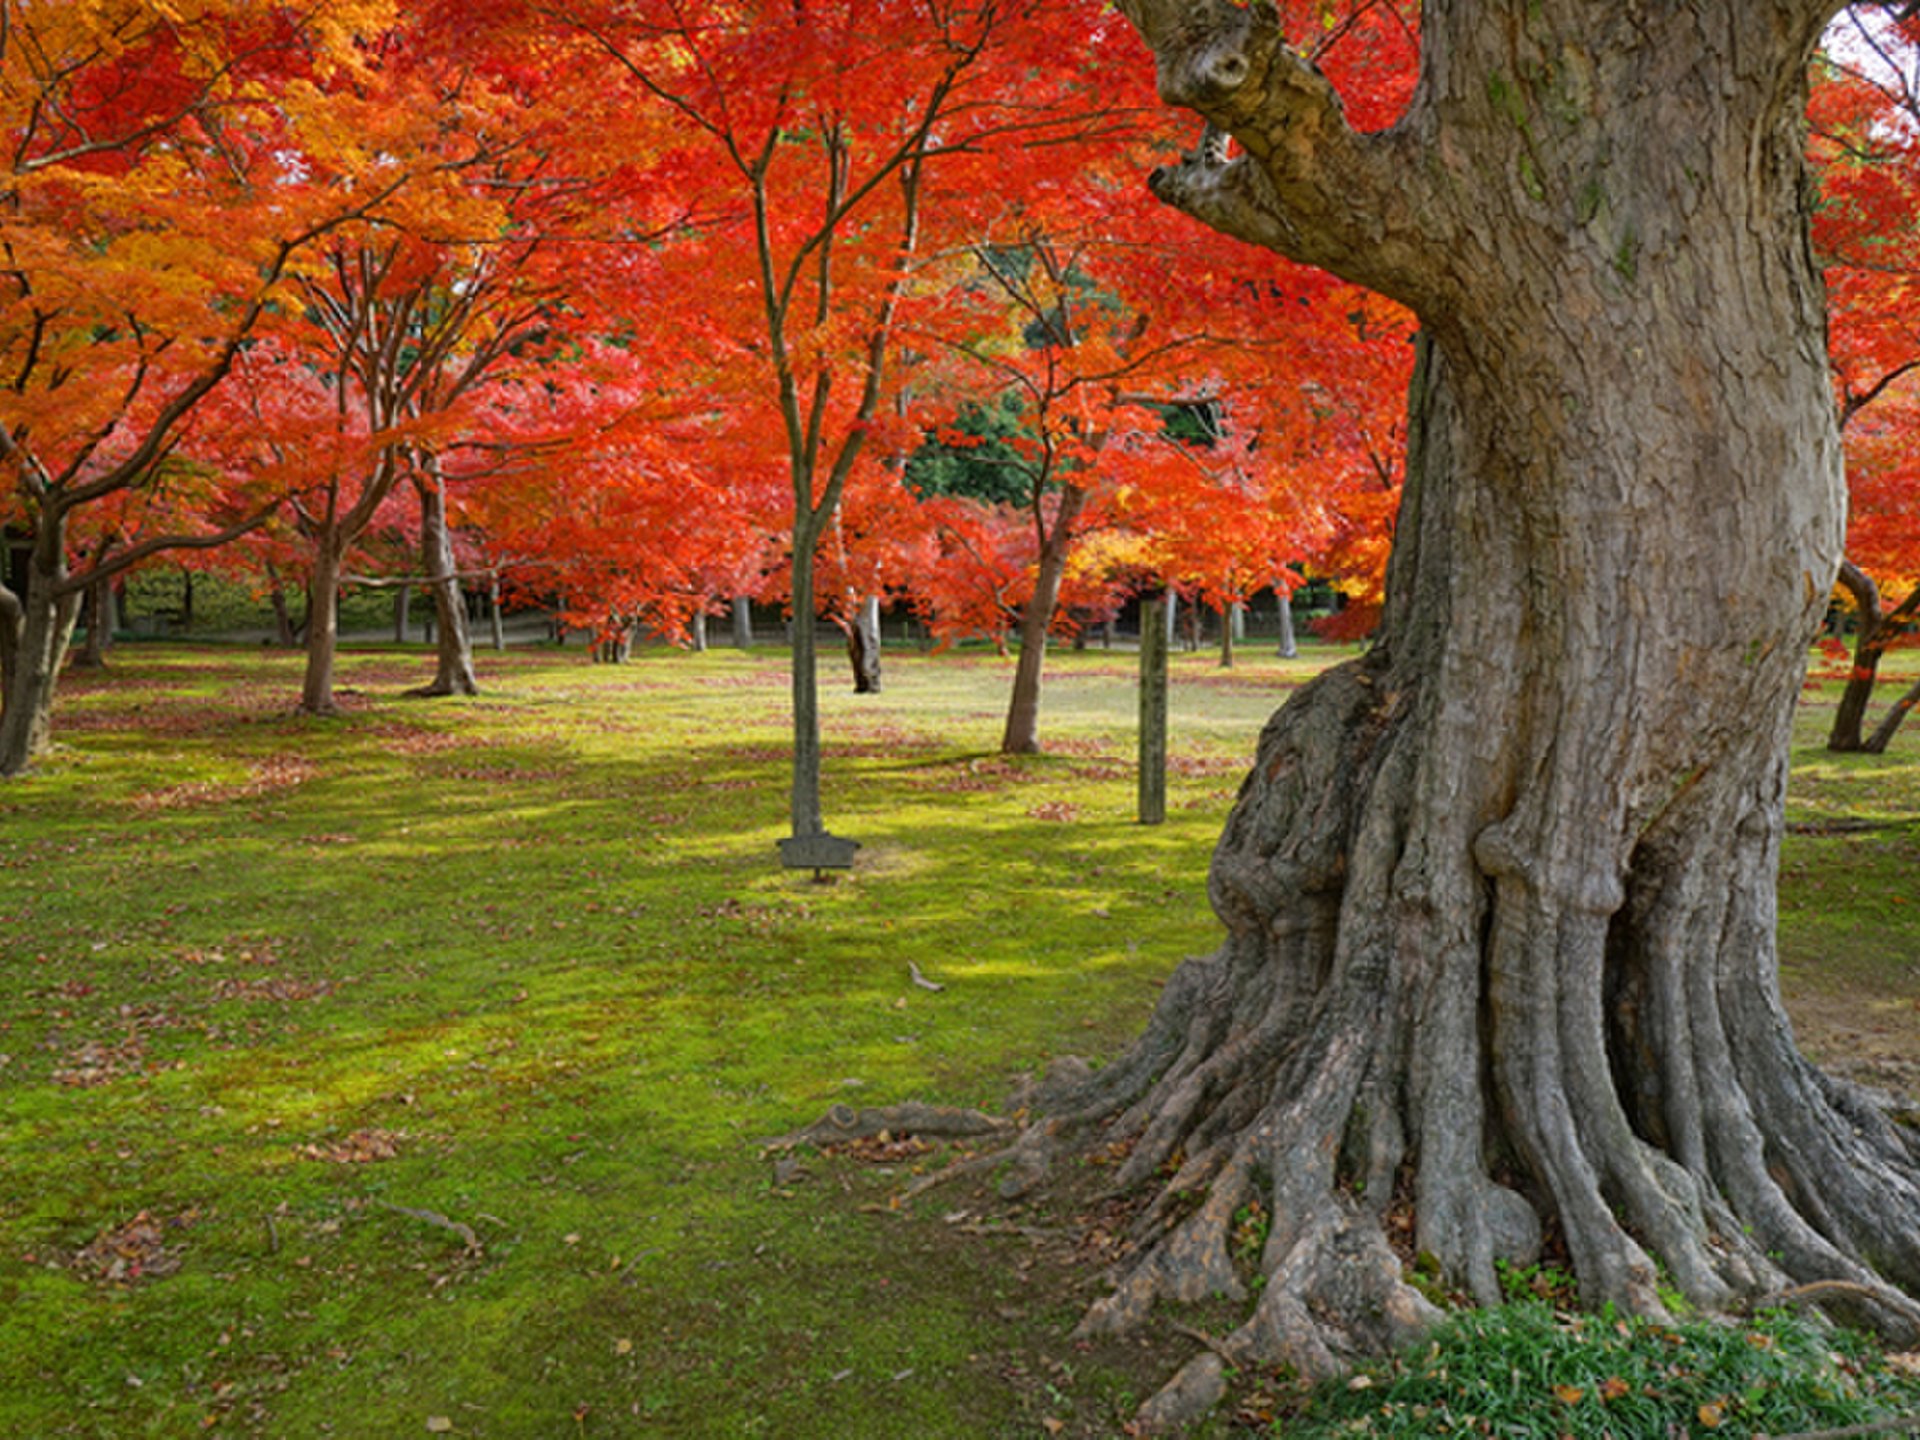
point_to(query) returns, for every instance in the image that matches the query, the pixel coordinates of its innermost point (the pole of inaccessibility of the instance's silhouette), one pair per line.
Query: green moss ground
(525, 963)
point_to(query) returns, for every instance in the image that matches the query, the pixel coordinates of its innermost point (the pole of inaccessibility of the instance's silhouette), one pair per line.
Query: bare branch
(107, 567)
(1301, 181)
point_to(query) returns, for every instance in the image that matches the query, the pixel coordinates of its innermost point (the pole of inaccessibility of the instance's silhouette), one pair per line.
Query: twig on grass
(434, 1217)
(921, 980)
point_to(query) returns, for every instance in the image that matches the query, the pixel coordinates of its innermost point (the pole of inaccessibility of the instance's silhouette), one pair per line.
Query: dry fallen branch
(842, 1123)
(435, 1218)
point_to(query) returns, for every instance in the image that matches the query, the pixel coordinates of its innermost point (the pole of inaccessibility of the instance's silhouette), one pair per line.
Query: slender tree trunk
(698, 627)
(1153, 715)
(1230, 626)
(100, 621)
(402, 602)
(742, 623)
(494, 617)
(1022, 733)
(804, 799)
(453, 640)
(323, 630)
(285, 634)
(863, 646)
(1289, 646)
(1890, 723)
(13, 621)
(1878, 630)
(46, 616)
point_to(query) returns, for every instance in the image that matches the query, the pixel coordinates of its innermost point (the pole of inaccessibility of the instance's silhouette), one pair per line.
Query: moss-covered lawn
(401, 1074)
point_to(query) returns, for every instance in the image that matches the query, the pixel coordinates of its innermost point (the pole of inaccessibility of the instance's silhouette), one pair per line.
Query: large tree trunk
(453, 647)
(1499, 897)
(1022, 733)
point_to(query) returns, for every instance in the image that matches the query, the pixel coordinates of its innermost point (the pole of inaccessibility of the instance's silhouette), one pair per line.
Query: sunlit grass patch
(527, 963)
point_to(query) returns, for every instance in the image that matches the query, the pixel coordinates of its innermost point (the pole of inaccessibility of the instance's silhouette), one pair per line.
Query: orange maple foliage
(152, 222)
(1866, 126)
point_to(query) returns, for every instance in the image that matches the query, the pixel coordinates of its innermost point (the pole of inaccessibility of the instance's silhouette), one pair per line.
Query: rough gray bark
(1499, 896)
(742, 623)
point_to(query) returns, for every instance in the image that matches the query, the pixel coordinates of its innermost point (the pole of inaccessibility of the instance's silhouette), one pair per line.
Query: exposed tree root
(1379, 1031)
(1499, 913)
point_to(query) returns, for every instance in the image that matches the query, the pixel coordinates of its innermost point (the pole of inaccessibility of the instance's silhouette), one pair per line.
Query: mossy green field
(405, 1073)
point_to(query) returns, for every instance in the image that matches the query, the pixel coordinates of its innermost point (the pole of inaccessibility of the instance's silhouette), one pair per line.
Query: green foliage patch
(1527, 1369)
